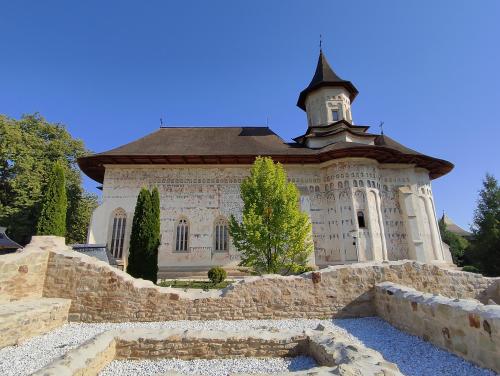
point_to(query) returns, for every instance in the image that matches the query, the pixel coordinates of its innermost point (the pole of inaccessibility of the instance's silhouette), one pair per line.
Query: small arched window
(181, 236)
(361, 219)
(118, 233)
(221, 236)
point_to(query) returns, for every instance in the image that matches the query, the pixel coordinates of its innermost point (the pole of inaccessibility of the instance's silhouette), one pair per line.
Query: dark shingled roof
(325, 76)
(6, 242)
(241, 145)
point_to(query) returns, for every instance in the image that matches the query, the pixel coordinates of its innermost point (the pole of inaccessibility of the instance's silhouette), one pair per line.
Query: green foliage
(457, 243)
(155, 220)
(300, 269)
(145, 237)
(485, 246)
(52, 220)
(470, 268)
(81, 205)
(29, 147)
(217, 275)
(274, 235)
(204, 285)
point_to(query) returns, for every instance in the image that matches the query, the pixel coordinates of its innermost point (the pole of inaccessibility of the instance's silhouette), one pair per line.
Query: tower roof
(325, 76)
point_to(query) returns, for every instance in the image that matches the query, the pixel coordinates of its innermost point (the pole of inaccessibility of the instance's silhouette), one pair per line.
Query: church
(369, 197)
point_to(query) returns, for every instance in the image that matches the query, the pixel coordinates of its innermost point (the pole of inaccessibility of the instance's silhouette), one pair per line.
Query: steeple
(340, 95)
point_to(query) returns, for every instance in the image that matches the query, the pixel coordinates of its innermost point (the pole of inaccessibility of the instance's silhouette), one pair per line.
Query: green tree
(81, 205)
(52, 220)
(155, 220)
(458, 244)
(145, 237)
(28, 149)
(485, 245)
(274, 235)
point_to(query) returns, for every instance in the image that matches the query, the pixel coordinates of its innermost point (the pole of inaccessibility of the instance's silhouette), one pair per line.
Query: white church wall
(331, 193)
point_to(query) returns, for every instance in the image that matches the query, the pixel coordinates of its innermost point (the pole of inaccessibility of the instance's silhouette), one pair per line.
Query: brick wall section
(464, 327)
(102, 293)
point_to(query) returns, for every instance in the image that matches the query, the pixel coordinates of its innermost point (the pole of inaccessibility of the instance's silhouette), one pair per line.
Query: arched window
(181, 236)
(354, 183)
(361, 219)
(118, 233)
(221, 236)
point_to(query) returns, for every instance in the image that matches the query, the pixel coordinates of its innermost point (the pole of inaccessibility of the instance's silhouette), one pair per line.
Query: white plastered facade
(395, 201)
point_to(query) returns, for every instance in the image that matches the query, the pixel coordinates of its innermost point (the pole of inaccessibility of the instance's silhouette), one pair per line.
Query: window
(118, 233)
(221, 236)
(361, 219)
(354, 183)
(181, 236)
(335, 115)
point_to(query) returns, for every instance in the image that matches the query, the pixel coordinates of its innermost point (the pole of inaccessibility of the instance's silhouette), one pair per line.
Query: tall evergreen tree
(141, 237)
(274, 235)
(458, 244)
(52, 220)
(485, 247)
(155, 220)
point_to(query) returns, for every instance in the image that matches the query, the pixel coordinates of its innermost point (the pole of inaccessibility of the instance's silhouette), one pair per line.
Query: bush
(217, 275)
(300, 269)
(470, 268)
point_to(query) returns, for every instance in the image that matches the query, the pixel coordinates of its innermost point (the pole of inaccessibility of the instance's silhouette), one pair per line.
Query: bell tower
(327, 99)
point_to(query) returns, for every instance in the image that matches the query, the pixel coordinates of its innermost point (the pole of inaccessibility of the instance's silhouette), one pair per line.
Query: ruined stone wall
(102, 293)
(22, 274)
(464, 327)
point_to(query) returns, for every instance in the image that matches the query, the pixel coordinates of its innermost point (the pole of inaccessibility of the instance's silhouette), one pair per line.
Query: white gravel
(412, 355)
(209, 367)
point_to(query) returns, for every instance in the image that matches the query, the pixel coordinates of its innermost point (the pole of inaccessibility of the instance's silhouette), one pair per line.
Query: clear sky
(110, 69)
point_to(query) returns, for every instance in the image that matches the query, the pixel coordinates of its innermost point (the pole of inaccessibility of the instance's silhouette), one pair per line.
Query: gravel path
(212, 367)
(412, 355)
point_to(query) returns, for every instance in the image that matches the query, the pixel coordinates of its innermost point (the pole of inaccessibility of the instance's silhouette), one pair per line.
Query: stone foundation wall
(464, 327)
(24, 319)
(335, 353)
(101, 293)
(22, 274)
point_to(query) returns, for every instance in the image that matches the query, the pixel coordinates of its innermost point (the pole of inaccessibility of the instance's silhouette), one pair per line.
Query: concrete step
(23, 319)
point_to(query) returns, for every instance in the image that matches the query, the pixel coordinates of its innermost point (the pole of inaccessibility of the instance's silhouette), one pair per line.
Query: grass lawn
(186, 284)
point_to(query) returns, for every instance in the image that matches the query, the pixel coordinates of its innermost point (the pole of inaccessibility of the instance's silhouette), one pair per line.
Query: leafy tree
(274, 235)
(28, 149)
(52, 220)
(145, 236)
(485, 246)
(458, 244)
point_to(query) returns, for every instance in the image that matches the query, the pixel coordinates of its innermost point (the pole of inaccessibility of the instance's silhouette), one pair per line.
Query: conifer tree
(155, 220)
(52, 219)
(274, 235)
(141, 237)
(485, 247)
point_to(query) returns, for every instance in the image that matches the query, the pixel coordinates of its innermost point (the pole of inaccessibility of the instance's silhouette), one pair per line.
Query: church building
(368, 196)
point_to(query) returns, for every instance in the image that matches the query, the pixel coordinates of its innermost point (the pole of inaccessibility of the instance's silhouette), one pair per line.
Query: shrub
(470, 268)
(300, 269)
(217, 275)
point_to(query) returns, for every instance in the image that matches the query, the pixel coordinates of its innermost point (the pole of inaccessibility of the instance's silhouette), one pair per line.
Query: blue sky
(110, 69)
